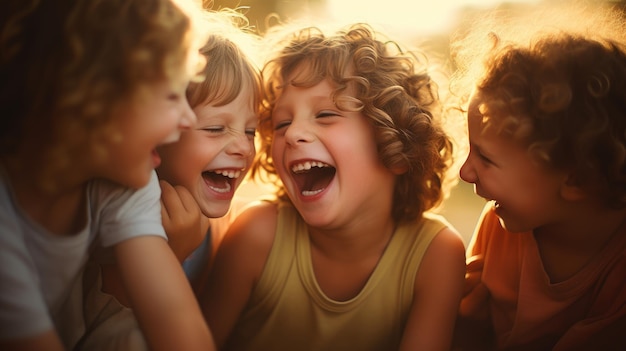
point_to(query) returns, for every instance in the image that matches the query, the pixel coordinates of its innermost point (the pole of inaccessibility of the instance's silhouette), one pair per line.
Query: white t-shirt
(40, 273)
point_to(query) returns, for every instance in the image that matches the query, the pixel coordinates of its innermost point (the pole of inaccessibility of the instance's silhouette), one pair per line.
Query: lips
(311, 176)
(156, 159)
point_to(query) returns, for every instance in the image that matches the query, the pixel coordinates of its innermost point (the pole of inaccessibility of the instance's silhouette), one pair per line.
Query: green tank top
(288, 311)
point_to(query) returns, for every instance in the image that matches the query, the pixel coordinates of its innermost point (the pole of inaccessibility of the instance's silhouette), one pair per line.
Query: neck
(359, 239)
(567, 248)
(59, 205)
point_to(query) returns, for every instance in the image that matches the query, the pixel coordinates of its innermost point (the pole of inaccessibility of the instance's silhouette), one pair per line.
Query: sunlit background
(432, 21)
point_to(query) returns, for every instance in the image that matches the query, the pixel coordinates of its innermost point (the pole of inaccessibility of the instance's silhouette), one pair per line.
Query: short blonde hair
(231, 64)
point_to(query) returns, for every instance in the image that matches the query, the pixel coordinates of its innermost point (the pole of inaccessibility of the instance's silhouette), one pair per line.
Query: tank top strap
(281, 256)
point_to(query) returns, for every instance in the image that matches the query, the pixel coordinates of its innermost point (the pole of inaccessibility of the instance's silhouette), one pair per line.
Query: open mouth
(221, 180)
(312, 177)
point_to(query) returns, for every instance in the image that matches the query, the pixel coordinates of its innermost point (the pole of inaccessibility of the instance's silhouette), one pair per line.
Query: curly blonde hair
(65, 64)
(393, 90)
(558, 89)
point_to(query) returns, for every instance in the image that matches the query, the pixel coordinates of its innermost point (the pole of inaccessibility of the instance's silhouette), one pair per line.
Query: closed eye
(214, 129)
(281, 124)
(251, 133)
(323, 114)
(485, 159)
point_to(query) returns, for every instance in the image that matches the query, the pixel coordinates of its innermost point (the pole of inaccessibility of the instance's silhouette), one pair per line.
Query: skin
(142, 124)
(348, 219)
(222, 142)
(570, 225)
(219, 146)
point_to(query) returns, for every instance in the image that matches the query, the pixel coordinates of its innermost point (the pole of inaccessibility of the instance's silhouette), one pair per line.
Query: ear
(399, 168)
(571, 189)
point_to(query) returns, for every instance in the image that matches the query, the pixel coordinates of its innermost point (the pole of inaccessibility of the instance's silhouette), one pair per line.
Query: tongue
(317, 179)
(216, 181)
(316, 184)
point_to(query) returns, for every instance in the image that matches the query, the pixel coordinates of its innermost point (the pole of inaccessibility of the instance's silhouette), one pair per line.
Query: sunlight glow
(432, 17)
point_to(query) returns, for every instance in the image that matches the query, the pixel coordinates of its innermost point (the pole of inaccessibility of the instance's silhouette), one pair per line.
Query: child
(547, 131)
(89, 89)
(222, 145)
(347, 258)
(198, 174)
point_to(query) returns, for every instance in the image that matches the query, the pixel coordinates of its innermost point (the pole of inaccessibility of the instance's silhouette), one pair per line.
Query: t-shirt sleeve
(23, 310)
(131, 213)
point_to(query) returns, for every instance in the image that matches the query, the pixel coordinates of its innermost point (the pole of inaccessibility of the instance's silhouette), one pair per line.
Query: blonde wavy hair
(393, 90)
(232, 64)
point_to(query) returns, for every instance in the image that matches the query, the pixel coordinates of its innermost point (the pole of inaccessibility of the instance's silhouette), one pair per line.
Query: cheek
(250, 158)
(169, 120)
(276, 151)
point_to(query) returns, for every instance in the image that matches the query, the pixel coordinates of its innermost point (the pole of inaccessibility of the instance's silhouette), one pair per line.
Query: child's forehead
(493, 116)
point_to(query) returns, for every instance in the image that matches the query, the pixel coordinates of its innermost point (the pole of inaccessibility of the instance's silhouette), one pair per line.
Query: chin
(213, 211)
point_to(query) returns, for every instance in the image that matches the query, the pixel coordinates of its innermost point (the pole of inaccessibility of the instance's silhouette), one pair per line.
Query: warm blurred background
(427, 23)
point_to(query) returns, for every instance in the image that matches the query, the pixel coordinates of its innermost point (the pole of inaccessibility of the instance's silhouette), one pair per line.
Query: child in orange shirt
(547, 132)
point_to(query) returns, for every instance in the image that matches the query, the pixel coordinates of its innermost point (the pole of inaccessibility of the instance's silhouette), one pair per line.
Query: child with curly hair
(89, 89)
(547, 131)
(347, 257)
(199, 175)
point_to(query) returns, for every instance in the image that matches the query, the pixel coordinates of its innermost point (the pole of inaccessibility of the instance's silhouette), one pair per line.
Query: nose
(297, 133)
(188, 117)
(241, 145)
(467, 171)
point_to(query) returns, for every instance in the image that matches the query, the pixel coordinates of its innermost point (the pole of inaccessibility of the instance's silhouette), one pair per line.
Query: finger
(475, 263)
(169, 197)
(471, 280)
(186, 199)
(474, 304)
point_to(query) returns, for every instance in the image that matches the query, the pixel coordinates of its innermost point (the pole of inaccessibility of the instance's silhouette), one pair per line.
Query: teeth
(311, 192)
(305, 166)
(222, 190)
(228, 173)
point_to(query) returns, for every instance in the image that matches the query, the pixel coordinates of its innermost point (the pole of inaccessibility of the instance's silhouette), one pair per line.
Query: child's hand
(475, 294)
(181, 218)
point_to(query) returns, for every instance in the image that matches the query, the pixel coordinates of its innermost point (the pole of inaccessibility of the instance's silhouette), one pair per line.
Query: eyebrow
(315, 99)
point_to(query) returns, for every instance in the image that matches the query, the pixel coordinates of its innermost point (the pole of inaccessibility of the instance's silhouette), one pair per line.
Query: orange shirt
(527, 309)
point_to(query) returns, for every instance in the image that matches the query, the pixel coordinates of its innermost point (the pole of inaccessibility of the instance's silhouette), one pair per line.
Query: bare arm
(162, 299)
(237, 267)
(48, 341)
(438, 291)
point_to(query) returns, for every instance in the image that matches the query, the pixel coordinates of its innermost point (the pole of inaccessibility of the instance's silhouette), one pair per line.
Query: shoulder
(257, 221)
(446, 245)
(104, 193)
(445, 257)
(250, 235)
(119, 213)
